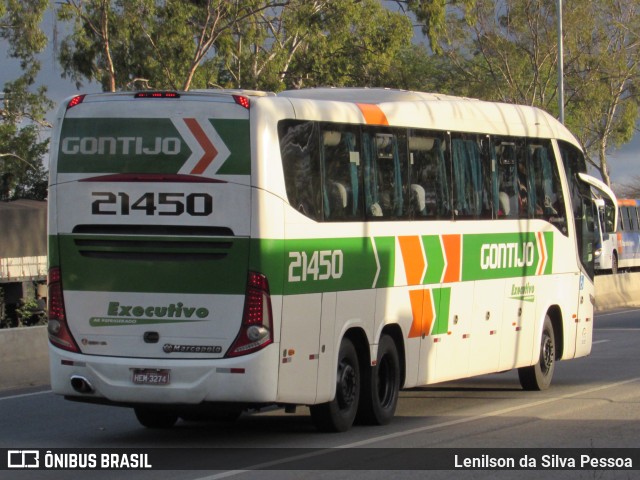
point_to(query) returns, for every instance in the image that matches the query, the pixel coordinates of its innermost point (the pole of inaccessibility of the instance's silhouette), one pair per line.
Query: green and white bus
(217, 251)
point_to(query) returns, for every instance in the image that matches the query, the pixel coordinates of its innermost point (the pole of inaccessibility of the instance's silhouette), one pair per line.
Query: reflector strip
(151, 177)
(157, 95)
(230, 370)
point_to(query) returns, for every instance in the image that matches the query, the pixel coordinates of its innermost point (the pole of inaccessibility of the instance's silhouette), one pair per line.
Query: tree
(629, 189)
(258, 44)
(506, 50)
(128, 43)
(602, 75)
(22, 111)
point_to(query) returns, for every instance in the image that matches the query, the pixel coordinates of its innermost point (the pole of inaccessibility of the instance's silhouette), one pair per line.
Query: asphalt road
(593, 403)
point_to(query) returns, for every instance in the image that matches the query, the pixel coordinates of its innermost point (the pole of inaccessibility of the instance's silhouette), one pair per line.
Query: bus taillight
(77, 100)
(59, 334)
(242, 101)
(256, 330)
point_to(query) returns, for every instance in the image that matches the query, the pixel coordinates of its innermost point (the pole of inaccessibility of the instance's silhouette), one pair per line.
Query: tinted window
(340, 172)
(300, 161)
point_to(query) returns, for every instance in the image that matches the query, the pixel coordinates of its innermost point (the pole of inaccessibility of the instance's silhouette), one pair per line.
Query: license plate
(151, 376)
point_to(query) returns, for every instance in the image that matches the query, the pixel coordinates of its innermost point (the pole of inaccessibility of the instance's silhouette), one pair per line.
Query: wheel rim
(547, 356)
(347, 384)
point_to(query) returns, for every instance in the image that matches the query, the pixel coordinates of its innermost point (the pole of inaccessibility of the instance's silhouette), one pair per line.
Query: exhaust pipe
(81, 384)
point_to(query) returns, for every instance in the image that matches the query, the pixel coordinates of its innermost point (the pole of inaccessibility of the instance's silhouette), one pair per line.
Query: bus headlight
(597, 253)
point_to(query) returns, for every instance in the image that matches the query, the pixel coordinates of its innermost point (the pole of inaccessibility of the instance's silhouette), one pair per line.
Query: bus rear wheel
(381, 386)
(538, 376)
(338, 414)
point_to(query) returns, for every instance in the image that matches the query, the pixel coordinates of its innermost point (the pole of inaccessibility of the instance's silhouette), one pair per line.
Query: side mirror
(604, 189)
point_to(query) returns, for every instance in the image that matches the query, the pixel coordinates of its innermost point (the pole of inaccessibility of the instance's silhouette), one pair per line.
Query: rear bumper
(249, 379)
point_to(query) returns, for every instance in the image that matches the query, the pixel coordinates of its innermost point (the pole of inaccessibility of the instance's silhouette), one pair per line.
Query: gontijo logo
(119, 146)
(506, 255)
(208, 151)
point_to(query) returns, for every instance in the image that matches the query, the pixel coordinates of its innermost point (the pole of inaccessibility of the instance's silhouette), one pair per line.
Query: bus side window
(301, 166)
(620, 220)
(628, 216)
(508, 191)
(428, 192)
(468, 184)
(340, 156)
(549, 202)
(385, 174)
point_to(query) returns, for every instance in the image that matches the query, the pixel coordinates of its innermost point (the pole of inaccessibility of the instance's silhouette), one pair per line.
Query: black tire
(155, 418)
(381, 386)
(338, 414)
(614, 264)
(538, 376)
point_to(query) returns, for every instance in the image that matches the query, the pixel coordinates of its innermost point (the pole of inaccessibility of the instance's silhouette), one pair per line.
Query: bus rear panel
(151, 294)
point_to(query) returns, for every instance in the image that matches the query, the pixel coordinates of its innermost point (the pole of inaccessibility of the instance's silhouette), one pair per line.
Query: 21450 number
(317, 265)
(194, 204)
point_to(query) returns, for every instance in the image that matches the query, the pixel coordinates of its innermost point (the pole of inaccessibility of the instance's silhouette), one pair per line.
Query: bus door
(585, 211)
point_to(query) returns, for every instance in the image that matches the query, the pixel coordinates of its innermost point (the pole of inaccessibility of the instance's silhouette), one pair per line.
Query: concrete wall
(24, 357)
(24, 353)
(616, 291)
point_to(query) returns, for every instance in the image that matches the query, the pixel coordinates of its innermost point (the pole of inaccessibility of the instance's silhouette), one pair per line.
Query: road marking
(618, 329)
(413, 431)
(22, 395)
(599, 341)
(616, 313)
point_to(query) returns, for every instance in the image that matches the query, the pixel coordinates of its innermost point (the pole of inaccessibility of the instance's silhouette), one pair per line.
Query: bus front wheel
(538, 376)
(338, 414)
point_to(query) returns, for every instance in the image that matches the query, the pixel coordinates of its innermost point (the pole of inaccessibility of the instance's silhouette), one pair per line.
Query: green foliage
(22, 110)
(504, 50)
(435, 21)
(258, 44)
(507, 50)
(29, 313)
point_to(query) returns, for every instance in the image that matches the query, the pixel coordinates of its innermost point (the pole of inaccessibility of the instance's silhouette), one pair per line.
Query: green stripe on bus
(296, 266)
(442, 301)
(435, 259)
(103, 264)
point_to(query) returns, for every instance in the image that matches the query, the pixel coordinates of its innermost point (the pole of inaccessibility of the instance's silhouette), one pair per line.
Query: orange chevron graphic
(210, 151)
(452, 245)
(421, 301)
(542, 248)
(413, 258)
(422, 311)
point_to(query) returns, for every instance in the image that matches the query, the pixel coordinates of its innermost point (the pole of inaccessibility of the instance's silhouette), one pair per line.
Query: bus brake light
(59, 333)
(242, 101)
(256, 329)
(77, 100)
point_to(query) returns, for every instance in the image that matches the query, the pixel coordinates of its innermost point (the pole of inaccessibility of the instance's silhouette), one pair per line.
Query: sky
(624, 163)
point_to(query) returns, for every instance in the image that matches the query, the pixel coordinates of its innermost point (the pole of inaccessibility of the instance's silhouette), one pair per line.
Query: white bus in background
(212, 252)
(618, 248)
(606, 246)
